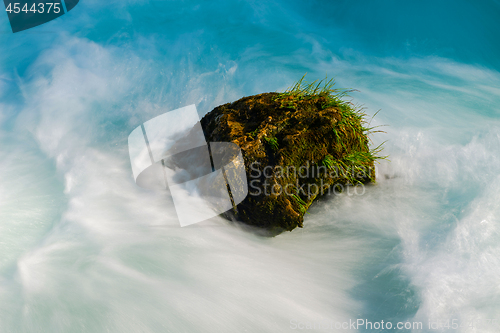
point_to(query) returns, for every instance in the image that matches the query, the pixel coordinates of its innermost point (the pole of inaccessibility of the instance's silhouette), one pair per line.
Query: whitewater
(84, 249)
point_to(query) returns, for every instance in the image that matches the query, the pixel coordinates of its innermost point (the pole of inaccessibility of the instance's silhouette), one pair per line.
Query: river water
(83, 249)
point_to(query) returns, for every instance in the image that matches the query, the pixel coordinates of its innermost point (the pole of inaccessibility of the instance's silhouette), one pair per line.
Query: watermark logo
(170, 151)
(26, 14)
(275, 180)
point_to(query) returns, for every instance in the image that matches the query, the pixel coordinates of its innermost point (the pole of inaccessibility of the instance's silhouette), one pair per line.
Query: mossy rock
(296, 146)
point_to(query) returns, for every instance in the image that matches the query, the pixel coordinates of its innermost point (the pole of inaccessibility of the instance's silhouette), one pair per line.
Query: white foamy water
(83, 249)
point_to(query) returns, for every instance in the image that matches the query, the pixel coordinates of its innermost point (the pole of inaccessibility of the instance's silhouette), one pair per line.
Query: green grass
(272, 142)
(302, 204)
(319, 88)
(351, 132)
(353, 120)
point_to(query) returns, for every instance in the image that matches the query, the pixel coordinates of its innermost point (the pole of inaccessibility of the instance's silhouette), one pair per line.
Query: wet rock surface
(296, 147)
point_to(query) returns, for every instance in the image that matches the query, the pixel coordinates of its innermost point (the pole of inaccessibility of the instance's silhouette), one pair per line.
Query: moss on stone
(309, 128)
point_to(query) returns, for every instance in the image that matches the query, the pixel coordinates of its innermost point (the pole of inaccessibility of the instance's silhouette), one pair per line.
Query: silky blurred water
(83, 249)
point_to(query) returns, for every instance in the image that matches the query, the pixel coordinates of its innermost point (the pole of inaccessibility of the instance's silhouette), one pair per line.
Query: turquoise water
(83, 249)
